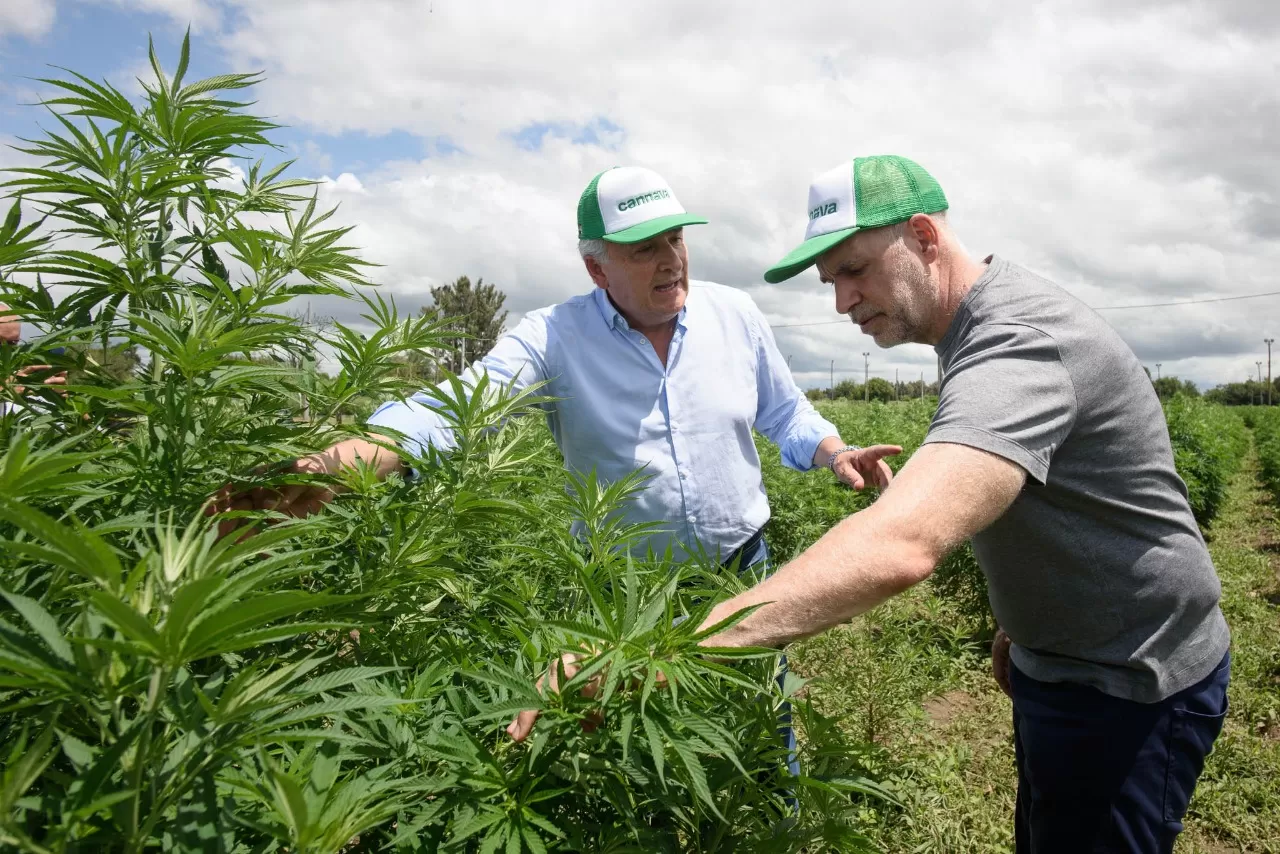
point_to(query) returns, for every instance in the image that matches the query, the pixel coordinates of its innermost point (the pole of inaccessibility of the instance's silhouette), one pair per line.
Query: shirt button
(693, 520)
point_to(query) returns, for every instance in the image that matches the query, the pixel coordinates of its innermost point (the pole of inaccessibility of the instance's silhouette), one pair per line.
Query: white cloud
(201, 15)
(1125, 149)
(27, 18)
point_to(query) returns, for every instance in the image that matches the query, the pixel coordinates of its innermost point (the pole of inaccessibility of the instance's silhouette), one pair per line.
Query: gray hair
(592, 248)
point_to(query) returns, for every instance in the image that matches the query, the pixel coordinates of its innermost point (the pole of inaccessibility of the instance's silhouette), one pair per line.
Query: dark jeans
(1102, 775)
(753, 556)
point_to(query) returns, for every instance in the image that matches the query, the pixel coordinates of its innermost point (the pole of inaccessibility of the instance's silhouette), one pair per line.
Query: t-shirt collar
(994, 265)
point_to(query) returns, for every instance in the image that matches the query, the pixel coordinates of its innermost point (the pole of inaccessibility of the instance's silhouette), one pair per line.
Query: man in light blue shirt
(649, 371)
(652, 371)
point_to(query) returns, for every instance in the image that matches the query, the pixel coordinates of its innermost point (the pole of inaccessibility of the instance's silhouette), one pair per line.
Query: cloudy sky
(1127, 149)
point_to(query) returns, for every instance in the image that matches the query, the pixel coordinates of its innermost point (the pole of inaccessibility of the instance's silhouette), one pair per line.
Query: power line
(1094, 307)
(1184, 302)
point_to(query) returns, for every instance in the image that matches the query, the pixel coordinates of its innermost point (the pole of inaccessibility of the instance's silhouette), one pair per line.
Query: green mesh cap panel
(590, 222)
(892, 189)
(887, 189)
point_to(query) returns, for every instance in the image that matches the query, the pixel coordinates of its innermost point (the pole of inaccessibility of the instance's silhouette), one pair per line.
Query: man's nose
(669, 259)
(847, 298)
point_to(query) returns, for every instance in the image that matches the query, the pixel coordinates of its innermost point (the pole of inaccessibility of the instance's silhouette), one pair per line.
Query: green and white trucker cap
(627, 204)
(869, 193)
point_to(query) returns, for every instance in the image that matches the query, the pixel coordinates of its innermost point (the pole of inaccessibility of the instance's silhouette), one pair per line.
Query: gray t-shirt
(1097, 571)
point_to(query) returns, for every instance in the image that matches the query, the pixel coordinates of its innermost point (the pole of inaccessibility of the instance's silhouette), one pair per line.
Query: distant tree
(1239, 394)
(478, 316)
(1167, 387)
(847, 389)
(879, 389)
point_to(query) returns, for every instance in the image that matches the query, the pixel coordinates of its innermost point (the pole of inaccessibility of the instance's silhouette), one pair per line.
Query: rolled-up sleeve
(518, 360)
(783, 414)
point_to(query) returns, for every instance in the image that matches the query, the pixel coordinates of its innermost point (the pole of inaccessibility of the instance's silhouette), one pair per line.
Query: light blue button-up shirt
(687, 423)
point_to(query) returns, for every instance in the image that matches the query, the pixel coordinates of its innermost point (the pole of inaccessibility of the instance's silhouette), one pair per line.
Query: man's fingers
(592, 721)
(880, 451)
(848, 472)
(289, 499)
(520, 728)
(884, 474)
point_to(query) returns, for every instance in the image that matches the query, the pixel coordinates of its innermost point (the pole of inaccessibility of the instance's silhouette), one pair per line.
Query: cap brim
(647, 229)
(803, 256)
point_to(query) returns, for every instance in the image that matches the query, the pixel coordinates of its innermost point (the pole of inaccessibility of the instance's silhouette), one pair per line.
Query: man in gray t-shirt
(1049, 451)
(1097, 569)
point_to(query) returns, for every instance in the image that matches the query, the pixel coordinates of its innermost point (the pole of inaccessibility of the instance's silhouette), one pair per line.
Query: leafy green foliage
(1170, 387)
(1209, 444)
(1265, 422)
(343, 680)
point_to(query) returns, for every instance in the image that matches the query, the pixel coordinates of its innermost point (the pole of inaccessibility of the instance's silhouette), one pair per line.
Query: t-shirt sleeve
(1007, 392)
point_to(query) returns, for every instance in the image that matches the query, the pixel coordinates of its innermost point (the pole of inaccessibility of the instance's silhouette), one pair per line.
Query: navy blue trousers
(1102, 775)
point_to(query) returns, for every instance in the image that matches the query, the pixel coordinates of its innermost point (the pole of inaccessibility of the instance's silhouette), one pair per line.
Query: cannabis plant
(339, 682)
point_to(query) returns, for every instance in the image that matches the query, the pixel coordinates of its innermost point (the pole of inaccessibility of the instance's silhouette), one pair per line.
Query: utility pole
(866, 378)
(832, 393)
(1268, 342)
(306, 397)
(922, 386)
(1158, 364)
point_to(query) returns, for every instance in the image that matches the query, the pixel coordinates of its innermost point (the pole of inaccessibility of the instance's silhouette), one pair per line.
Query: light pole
(1268, 342)
(1158, 364)
(833, 380)
(866, 378)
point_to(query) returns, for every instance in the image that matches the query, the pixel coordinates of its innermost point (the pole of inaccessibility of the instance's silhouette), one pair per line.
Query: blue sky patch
(598, 131)
(110, 42)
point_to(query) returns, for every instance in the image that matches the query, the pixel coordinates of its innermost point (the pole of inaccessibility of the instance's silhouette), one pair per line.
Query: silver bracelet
(831, 463)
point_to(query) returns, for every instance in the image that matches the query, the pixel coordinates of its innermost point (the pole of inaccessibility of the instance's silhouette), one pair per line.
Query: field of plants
(343, 682)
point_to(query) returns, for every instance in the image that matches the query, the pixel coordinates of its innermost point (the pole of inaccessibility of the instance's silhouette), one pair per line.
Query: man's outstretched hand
(294, 499)
(866, 466)
(298, 499)
(565, 668)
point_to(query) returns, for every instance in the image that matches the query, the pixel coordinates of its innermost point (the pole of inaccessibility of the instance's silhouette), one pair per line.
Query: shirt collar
(614, 319)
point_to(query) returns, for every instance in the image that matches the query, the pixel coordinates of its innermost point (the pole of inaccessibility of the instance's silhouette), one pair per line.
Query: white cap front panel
(630, 195)
(831, 202)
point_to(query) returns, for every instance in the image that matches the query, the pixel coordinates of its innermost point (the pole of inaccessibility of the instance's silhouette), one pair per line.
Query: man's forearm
(855, 566)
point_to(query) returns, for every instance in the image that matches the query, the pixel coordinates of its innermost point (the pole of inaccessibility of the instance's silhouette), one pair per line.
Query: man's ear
(596, 271)
(924, 231)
